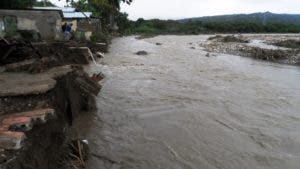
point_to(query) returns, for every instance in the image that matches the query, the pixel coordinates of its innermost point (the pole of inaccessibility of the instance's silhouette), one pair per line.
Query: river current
(177, 108)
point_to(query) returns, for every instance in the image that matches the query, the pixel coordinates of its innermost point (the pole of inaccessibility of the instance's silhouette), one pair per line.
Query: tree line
(156, 26)
(110, 9)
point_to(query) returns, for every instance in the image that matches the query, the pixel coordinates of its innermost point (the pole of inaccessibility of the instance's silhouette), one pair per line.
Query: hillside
(261, 18)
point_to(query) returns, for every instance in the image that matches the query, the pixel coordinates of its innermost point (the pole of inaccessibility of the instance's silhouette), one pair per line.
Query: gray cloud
(174, 9)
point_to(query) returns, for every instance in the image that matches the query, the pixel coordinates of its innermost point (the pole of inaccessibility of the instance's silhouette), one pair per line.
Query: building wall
(85, 26)
(73, 21)
(47, 23)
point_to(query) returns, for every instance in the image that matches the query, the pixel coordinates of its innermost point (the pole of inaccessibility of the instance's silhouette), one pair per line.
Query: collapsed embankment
(43, 88)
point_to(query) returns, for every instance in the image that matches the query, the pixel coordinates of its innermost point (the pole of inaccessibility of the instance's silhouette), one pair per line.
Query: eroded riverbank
(178, 108)
(43, 88)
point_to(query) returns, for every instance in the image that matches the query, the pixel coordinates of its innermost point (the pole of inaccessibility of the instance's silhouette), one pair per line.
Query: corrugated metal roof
(67, 9)
(46, 8)
(69, 15)
(68, 12)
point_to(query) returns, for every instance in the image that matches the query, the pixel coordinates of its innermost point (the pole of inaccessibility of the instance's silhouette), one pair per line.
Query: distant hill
(261, 18)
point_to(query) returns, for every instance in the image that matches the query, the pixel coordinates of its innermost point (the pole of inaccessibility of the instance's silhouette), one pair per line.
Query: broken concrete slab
(16, 124)
(24, 84)
(37, 115)
(18, 66)
(15, 84)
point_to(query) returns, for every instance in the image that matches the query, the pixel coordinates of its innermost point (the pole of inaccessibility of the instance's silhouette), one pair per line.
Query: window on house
(2, 27)
(10, 25)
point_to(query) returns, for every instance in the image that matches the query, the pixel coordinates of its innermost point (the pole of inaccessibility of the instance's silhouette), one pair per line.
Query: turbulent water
(176, 108)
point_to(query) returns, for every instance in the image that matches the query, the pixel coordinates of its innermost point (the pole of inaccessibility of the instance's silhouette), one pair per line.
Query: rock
(158, 44)
(192, 48)
(142, 52)
(207, 55)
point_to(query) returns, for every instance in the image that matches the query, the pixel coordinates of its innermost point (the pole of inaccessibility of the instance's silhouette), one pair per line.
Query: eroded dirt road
(178, 109)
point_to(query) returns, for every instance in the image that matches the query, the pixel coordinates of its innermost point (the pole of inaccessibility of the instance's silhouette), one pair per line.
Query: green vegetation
(156, 26)
(11, 26)
(43, 3)
(100, 37)
(106, 9)
(16, 4)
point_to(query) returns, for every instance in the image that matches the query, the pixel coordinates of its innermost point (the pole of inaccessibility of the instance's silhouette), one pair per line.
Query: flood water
(175, 108)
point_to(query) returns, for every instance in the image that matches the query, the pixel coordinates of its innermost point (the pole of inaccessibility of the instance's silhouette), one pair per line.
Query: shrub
(100, 38)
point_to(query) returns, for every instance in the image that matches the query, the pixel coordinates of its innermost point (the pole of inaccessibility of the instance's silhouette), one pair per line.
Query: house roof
(68, 13)
(66, 9)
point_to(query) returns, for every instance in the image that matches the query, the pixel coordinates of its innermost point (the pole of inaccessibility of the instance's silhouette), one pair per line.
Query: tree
(43, 3)
(16, 4)
(106, 9)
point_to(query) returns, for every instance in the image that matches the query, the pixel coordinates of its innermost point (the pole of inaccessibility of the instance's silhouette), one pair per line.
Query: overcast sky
(176, 9)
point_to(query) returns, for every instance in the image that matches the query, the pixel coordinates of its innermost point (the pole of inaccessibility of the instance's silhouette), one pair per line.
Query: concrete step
(14, 126)
(15, 84)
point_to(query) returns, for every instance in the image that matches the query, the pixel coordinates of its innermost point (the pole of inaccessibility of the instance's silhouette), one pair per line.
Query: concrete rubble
(13, 126)
(43, 87)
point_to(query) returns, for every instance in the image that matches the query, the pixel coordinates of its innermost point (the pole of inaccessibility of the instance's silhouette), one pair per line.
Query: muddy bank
(43, 89)
(258, 47)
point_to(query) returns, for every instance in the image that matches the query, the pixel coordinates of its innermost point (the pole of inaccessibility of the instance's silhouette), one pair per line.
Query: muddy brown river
(176, 108)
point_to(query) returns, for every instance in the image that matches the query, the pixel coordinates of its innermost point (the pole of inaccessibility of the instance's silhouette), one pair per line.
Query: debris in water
(97, 77)
(78, 155)
(142, 52)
